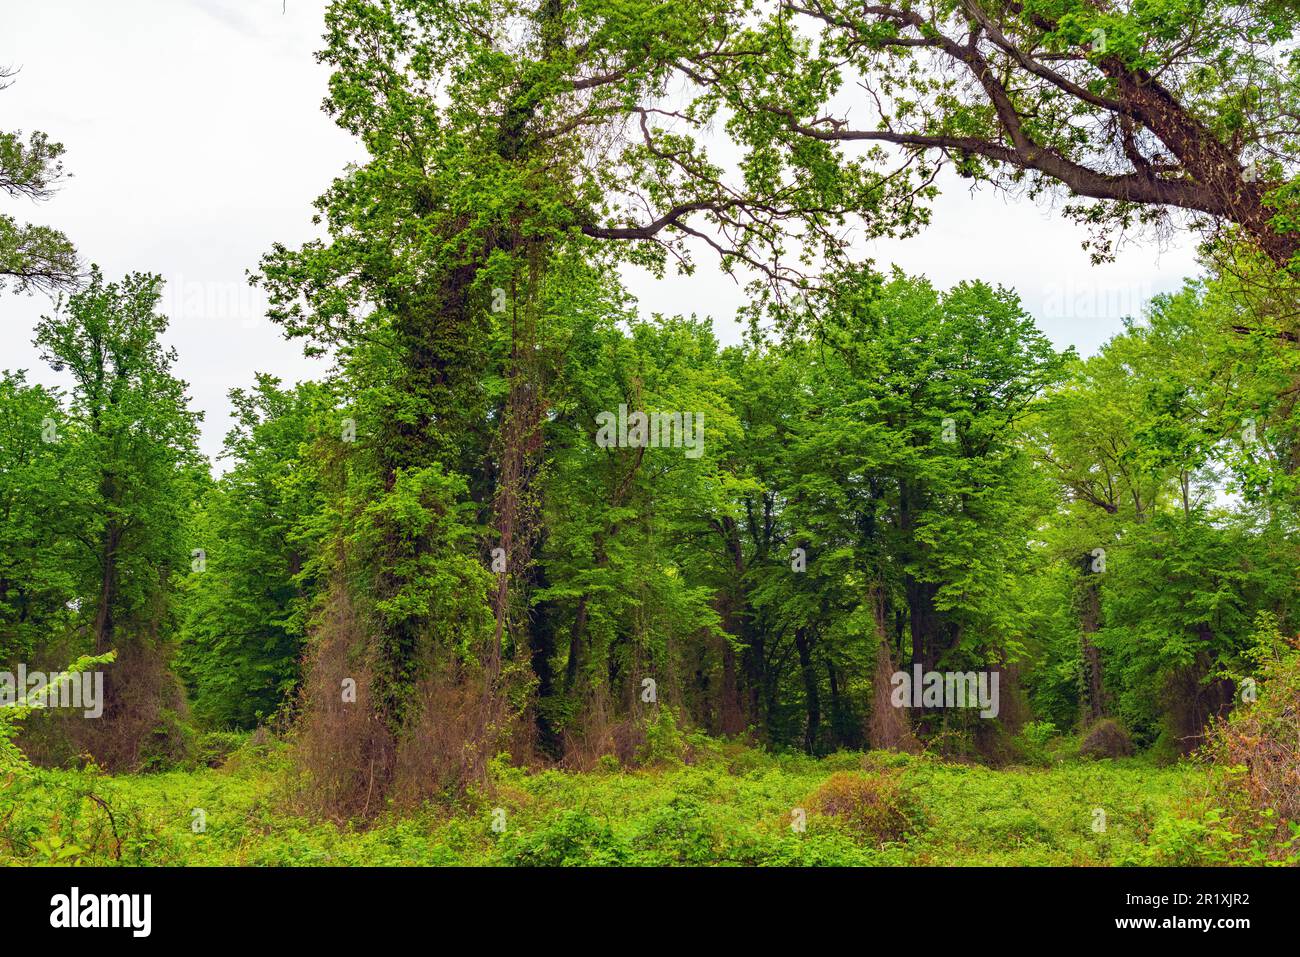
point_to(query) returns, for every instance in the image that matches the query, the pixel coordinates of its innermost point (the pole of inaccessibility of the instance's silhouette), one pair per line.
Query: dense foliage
(520, 515)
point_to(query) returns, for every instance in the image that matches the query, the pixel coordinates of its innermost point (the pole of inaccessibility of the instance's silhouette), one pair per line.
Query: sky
(195, 140)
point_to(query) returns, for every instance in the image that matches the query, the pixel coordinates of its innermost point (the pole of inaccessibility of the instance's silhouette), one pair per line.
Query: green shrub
(171, 743)
(1179, 841)
(574, 839)
(608, 764)
(1034, 742)
(212, 748)
(678, 833)
(664, 744)
(1255, 749)
(1016, 827)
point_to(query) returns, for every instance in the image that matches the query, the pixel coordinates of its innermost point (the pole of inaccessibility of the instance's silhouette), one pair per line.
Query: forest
(533, 574)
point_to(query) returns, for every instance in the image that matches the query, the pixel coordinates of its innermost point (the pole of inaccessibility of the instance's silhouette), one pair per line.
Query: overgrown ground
(733, 805)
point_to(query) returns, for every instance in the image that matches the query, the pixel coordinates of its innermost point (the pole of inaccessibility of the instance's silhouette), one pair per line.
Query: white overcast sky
(195, 138)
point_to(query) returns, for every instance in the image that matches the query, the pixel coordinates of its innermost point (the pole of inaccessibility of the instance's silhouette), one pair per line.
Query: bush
(871, 805)
(1256, 750)
(1106, 739)
(678, 833)
(1191, 840)
(213, 747)
(1034, 740)
(169, 744)
(608, 764)
(664, 744)
(574, 839)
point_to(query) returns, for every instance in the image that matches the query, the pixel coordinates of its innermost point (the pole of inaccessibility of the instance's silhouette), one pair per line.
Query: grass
(732, 806)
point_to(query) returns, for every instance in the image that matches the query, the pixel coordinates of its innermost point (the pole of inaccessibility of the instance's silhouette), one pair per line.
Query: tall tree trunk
(812, 704)
(576, 632)
(735, 622)
(922, 620)
(520, 440)
(432, 328)
(731, 711)
(1093, 703)
(838, 724)
(104, 617)
(541, 652)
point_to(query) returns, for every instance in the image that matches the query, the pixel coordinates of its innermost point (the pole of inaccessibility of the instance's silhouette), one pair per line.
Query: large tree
(1138, 109)
(132, 471)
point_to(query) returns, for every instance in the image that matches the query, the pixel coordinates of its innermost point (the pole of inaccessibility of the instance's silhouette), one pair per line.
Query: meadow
(732, 805)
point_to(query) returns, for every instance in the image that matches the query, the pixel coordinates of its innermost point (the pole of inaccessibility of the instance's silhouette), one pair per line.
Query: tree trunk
(104, 618)
(1093, 705)
(735, 622)
(576, 631)
(838, 724)
(811, 702)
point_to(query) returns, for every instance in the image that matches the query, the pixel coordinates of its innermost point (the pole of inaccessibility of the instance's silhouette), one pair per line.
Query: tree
(136, 441)
(1163, 576)
(1139, 109)
(627, 588)
(133, 471)
(905, 481)
(1180, 604)
(245, 611)
(32, 257)
(37, 551)
(487, 126)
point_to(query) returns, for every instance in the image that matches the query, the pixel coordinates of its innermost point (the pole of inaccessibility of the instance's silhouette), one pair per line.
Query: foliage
(1256, 748)
(733, 809)
(436, 554)
(1141, 113)
(246, 609)
(12, 759)
(32, 257)
(874, 806)
(1106, 739)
